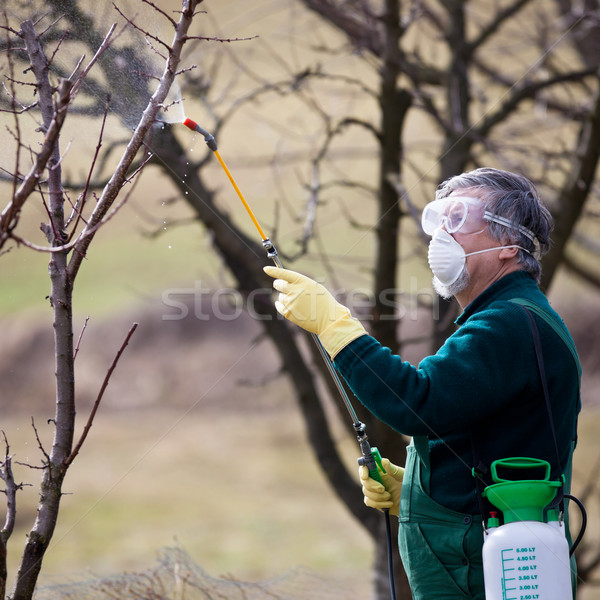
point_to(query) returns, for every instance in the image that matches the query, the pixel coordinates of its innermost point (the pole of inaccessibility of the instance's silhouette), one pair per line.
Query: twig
(89, 230)
(58, 45)
(80, 338)
(219, 39)
(162, 12)
(155, 50)
(311, 206)
(146, 33)
(76, 68)
(6, 475)
(10, 215)
(40, 445)
(107, 377)
(103, 46)
(49, 230)
(84, 193)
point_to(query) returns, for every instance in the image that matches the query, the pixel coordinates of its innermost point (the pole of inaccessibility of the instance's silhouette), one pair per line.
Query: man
(480, 397)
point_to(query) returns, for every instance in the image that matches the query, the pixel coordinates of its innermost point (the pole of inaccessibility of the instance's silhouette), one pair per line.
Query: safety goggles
(465, 215)
(455, 213)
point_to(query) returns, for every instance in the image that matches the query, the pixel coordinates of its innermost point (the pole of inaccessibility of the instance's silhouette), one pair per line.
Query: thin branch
(76, 352)
(10, 215)
(94, 410)
(40, 445)
(89, 230)
(162, 12)
(220, 39)
(155, 50)
(6, 474)
(145, 32)
(58, 45)
(119, 176)
(525, 90)
(81, 200)
(103, 46)
(495, 23)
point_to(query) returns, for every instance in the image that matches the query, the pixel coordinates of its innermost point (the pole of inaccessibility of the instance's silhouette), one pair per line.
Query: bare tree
(69, 237)
(425, 68)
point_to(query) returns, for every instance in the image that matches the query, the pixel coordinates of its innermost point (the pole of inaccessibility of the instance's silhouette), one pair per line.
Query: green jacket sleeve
(484, 365)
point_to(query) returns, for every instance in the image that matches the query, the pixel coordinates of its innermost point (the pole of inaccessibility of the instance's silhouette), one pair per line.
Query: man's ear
(508, 253)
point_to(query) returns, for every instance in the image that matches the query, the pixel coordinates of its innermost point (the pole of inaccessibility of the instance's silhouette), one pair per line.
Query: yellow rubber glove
(309, 305)
(386, 495)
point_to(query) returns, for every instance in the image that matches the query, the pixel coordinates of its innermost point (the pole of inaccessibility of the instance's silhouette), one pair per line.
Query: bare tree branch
(148, 118)
(103, 387)
(10, 215)
(10, 490)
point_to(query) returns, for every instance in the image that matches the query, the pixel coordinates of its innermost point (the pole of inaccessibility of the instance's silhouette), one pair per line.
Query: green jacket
(483, 382)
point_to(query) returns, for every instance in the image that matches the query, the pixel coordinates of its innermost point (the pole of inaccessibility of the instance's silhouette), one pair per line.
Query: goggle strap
(488, 216)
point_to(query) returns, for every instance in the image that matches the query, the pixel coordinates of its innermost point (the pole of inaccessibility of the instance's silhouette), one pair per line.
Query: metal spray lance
(370, 456)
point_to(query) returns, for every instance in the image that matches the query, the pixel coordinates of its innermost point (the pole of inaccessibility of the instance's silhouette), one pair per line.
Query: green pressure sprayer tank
(527, 557)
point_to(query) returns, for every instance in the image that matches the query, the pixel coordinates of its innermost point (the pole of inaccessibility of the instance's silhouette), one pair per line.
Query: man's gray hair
(515, 199)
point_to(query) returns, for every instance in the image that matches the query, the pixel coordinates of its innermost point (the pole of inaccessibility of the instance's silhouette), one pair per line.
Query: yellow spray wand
(370, 456)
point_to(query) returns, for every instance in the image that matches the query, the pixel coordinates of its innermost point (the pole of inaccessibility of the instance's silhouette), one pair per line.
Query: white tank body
(527, 560)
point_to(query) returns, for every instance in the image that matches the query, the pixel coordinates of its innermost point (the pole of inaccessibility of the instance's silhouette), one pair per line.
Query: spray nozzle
(208, 138)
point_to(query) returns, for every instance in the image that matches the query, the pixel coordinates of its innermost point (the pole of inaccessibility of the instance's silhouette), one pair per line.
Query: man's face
(461, 216)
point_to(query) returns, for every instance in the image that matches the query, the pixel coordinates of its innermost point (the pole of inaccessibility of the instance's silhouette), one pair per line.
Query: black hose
(583, 522)
(390, 550)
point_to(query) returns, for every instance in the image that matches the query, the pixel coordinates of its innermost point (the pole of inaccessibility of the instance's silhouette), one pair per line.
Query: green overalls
(440, 548)
(473, 383)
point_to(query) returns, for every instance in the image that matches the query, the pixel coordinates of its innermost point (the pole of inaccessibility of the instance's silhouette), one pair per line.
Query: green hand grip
(375, 472)
(372, 460)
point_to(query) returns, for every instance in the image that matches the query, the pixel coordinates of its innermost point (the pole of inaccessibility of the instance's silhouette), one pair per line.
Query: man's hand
(383, 496)
(309, 305)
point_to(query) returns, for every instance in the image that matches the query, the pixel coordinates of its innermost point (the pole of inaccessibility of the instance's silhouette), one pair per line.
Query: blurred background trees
(339, 120)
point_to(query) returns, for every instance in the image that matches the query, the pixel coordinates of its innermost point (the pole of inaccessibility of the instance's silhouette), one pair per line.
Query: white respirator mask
(447, 257)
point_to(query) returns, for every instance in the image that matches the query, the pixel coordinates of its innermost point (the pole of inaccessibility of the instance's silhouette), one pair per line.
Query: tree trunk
(456, 152)
(574, 194)
(394, 105)
(60, 300)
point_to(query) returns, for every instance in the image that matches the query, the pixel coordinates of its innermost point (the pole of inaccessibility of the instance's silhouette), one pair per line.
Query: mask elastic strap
(498, 248)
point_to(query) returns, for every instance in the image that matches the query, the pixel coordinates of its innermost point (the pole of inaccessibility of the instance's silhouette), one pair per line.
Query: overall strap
(558, 501)
(479, 469)
(552, 322)
(540, 363)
